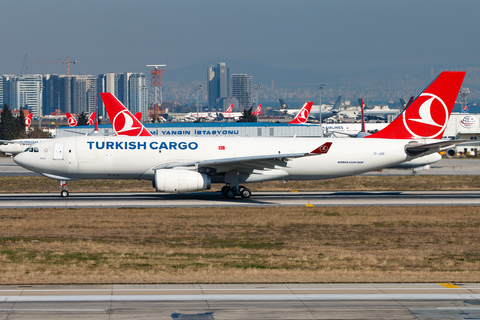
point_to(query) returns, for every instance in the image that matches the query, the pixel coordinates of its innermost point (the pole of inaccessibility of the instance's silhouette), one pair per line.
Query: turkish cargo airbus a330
(185, 164)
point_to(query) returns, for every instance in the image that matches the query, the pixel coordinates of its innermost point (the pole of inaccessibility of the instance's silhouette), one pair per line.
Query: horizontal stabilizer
(416, 149)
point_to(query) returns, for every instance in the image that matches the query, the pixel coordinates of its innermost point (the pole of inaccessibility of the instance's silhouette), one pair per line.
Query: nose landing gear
(64, 193)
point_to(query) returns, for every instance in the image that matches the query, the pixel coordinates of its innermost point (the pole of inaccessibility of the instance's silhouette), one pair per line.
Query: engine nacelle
(176, 181)
(451, 153)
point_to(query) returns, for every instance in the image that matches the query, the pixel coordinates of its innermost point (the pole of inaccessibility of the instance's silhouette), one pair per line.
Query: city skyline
(341, 37)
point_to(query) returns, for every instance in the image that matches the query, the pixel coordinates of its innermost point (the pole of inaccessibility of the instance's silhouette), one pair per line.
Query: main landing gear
(231, 192)
(64, 193)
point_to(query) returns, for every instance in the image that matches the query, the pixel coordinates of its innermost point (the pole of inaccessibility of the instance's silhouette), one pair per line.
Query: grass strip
(231, 245)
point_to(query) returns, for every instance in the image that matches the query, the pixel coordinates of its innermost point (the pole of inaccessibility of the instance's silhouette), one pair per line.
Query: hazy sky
(327, 36)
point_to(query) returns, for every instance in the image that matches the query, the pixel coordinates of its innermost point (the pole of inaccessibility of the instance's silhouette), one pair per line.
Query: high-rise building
(242, 90)
(138, 94)
(129, 88)
(84, 93)
(218, 85)
(26, 91)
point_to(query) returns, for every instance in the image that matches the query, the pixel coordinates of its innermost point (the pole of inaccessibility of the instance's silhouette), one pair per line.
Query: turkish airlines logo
(303, 115)
(429, 120)
(124, 122)
(72, 122)
(28, 122)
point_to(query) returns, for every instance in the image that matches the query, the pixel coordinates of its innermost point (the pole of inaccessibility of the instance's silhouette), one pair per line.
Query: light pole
(257, 87)
(198, 87)
(320, 88)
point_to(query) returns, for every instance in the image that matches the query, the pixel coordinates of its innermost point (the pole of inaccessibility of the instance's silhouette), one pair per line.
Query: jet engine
(451, 153)
(176, 181)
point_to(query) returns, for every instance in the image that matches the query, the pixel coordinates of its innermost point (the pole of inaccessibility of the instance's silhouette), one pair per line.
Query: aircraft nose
(22, 159)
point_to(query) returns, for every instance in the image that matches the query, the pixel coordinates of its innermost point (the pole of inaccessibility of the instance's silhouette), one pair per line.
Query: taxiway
(259, 199)
(242, 301)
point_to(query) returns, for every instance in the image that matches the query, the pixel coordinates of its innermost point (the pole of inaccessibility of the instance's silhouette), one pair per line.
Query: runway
(242, 301)
(258, 199)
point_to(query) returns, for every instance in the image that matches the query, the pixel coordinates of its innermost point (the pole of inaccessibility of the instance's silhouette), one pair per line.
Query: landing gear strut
(231, 192)
(64, 193)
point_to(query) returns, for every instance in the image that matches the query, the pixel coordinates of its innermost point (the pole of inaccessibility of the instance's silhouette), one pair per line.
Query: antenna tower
(156, 94)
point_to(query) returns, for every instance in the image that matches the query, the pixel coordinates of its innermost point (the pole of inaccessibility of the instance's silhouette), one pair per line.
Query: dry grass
(221, 245)
(355, 183)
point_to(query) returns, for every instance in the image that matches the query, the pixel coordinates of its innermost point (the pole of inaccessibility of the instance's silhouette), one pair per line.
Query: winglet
(322, 149)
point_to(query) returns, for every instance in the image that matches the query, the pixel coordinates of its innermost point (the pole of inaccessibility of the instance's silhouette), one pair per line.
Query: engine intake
(176, 181)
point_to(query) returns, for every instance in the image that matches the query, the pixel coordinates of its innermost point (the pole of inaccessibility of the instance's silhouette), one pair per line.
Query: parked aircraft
(179, 164)
(230, 115)
(315, 113)
(372, 113)
(15, 146)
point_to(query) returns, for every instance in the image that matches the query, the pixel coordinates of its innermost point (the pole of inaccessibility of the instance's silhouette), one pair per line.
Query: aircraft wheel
(64, 193)
(224, 190)
(245, 193)
(230, 193)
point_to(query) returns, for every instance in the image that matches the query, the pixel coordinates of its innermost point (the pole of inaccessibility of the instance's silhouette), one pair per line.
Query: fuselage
(121, 157)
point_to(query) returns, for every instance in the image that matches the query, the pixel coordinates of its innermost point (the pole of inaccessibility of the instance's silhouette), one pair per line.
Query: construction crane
(68, 62)
(23, 65)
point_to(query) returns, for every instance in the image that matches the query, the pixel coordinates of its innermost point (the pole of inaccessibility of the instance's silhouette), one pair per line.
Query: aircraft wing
(248, 164)
(416, 149)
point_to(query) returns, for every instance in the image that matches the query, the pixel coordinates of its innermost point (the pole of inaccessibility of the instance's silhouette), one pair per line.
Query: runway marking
(309, 205)
(241, 297)
(294, 191)
(54, 310)
(449, 285)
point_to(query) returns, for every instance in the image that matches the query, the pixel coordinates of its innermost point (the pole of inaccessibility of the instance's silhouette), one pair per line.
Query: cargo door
(58, 151)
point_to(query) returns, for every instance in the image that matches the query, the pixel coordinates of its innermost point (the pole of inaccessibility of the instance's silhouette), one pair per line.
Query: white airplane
(176, 164)
(315, 113)
(15, 146)
(230, 115)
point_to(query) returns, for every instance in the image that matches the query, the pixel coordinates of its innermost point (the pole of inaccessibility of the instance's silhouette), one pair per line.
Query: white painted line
(54, 310)
(241, 297)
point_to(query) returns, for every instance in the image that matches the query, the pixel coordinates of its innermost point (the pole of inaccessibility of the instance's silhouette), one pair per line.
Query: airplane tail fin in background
(257, 111)
(230, 109)
(282, 104)
(138, 115)
(427, 116)
(336, 106)
(302, 116)
(28, 120)
(91, 119)
(123, 121)
(72, 122)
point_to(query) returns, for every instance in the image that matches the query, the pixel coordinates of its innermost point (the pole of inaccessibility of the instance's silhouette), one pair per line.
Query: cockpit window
(26, 150)
(35, 149)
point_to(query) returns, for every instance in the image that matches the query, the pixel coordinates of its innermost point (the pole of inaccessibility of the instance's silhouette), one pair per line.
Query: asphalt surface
(242, 301)
(258, 199)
